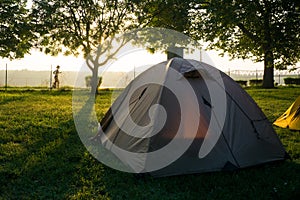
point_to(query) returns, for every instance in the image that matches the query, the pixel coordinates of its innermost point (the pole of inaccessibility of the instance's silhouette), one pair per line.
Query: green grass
(42, 157)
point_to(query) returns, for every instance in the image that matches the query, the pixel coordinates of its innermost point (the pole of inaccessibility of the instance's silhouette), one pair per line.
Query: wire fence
(45, 79)
(28, 78)
(279, 75)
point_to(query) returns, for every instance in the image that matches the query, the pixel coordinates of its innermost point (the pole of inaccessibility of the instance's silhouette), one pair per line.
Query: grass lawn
(42, 157)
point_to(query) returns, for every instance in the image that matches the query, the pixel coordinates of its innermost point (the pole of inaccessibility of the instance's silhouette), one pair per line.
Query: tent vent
(206, 102)
(255, 130)
(143, 92)
(192, 74)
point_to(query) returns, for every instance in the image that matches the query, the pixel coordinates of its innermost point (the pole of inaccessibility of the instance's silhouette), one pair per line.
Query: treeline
(262, 30)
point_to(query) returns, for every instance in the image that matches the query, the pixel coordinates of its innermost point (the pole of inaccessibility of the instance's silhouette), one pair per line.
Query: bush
(255, 82)
(292, 81)
(88, 80)
(242, 82)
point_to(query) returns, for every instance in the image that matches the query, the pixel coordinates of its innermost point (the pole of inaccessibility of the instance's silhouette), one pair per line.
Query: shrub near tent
(292, 81)
(242, 82)
(256, 82)
(88, 80)
(247, 137)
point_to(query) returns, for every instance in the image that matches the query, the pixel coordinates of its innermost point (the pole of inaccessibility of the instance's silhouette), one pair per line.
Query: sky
(40, 62)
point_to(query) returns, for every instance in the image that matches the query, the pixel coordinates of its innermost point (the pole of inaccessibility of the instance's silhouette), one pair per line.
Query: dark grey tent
(223, 129)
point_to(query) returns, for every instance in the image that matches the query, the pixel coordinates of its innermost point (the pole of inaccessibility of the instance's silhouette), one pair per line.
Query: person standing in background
(56, 80)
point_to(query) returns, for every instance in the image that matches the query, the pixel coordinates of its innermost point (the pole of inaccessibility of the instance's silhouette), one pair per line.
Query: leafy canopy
(16, 34)
(250, 28)
(79, 26)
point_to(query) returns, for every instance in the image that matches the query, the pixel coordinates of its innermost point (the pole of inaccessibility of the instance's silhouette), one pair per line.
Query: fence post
(6, 77)
(256, 75)
(50, 86)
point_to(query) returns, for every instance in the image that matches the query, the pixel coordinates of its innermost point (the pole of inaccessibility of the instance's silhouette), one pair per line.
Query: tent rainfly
(240, 136)
(291, 118)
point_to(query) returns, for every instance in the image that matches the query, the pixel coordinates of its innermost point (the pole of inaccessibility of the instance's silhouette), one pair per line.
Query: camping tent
(184, 116)
(291, 118)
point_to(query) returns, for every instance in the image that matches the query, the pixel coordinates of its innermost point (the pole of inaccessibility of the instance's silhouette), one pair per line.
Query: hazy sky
(40, 61)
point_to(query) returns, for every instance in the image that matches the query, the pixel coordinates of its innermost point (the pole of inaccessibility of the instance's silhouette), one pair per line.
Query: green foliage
(79, 27)
(260, 30)
(248, 29)
(16, 34)
(292, 81)
(256, 82)
(164, 40)
(171, 14)
(242, 82)
(42, 157)
(169, 17)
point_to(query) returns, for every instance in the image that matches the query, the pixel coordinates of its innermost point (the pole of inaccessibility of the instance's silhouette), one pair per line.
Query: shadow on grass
(271, 181)
(50, 162)
(46, 166)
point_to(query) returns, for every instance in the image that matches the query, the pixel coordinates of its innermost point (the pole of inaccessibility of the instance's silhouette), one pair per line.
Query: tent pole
(200, 54)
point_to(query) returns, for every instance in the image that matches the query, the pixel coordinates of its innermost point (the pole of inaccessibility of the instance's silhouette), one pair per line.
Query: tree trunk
(94, 81)
(268, 79)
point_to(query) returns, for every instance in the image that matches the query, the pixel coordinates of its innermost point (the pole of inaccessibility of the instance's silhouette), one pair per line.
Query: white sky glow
(38, 61)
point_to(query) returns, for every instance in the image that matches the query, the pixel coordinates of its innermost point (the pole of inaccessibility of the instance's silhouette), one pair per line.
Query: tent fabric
(291, 117)
(247, 137)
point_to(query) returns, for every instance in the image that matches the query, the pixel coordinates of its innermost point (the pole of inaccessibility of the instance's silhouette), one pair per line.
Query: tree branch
(248, 33)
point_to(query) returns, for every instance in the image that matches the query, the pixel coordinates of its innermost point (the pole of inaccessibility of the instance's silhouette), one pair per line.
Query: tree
(264, 30)
(16, 35)
(171, 14)
(82, 27)
(88, 80)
